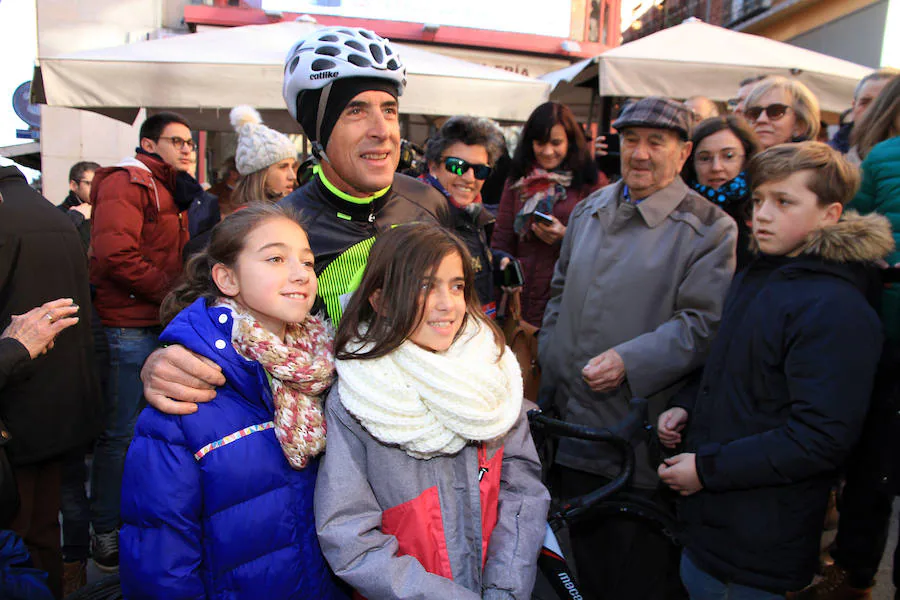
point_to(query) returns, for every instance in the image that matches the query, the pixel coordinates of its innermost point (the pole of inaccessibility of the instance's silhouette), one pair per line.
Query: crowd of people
(303, 390)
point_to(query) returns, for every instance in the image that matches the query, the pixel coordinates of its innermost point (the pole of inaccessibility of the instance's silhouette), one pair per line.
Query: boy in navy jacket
(783, 396)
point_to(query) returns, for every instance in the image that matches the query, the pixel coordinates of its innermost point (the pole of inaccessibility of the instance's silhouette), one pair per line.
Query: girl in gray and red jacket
(430, 487)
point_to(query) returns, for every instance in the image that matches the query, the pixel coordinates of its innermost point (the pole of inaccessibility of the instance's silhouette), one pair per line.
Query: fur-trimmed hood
(855, 238)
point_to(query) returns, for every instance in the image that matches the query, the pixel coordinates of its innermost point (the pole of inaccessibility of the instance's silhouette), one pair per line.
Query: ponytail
(197, 282)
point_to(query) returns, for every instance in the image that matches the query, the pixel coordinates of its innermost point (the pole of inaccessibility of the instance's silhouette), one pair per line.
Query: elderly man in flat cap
(637, 296)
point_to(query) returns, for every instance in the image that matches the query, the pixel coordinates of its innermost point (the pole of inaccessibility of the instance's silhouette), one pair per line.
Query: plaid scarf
(300, 369)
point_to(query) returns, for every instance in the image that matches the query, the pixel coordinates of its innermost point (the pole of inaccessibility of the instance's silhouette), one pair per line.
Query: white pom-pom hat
(258, 146)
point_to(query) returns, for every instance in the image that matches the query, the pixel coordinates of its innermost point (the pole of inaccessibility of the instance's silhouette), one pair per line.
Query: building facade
(584, 28)
(854, 30)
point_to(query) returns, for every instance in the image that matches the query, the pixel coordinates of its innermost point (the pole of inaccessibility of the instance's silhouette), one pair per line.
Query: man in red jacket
(140, 228)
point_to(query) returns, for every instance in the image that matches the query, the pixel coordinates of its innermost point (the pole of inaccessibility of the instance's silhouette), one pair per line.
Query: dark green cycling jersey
(342, 228)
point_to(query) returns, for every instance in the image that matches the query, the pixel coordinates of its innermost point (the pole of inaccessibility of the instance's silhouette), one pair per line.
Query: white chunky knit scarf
(433, 404)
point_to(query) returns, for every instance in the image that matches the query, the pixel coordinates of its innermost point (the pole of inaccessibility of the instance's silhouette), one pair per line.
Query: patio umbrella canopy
(695, 58)
(204, 75)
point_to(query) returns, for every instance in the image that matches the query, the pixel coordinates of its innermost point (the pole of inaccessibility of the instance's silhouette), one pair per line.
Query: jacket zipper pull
(481, 472)
(371, 217)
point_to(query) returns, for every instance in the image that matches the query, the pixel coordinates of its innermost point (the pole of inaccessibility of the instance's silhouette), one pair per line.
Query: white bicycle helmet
(335, 53)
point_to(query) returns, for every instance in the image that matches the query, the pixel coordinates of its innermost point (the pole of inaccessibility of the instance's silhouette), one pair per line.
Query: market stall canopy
(695, 58)
(27, 155)
(204, 75)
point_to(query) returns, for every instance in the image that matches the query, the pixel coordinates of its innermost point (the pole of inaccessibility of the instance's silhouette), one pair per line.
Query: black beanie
(342, 92)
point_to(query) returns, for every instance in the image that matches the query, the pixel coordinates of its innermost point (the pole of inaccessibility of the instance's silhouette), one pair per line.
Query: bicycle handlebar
(621, 437)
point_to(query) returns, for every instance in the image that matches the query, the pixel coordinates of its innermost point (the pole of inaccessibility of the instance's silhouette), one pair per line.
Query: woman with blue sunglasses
(460, 157)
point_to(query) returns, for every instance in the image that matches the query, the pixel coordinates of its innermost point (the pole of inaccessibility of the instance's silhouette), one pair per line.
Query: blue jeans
(703, 586)
(75, 507)
(128, 349)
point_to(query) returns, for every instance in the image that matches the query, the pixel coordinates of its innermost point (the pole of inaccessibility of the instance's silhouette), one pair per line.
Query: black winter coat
(781, 403)
(341, 233)
(51, 404)
(472, 224)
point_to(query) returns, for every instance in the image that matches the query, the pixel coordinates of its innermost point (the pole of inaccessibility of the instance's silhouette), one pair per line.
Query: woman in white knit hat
(265, 159)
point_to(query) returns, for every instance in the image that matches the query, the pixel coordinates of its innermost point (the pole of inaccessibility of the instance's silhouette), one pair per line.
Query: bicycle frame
(551, 561)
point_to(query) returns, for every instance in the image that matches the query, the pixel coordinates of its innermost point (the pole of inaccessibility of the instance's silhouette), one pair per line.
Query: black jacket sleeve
(12, 354)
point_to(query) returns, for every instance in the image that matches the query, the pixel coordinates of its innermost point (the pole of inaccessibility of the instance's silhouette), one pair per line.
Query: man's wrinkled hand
(605, 372)
(38, 328)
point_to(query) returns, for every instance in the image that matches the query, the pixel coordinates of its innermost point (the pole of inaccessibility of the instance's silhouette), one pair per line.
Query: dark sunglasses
(773, 111)
(458, 166)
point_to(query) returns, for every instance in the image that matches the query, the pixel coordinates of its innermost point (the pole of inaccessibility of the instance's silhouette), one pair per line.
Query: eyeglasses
(180, 143)
(773, 111)
(726, 157)
(458, 166)
(85, 181)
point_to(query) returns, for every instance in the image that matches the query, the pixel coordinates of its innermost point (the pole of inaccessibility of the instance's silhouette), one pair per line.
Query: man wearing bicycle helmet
(342, 85)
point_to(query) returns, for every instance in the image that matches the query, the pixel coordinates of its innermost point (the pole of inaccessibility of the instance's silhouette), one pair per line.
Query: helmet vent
(293, 65)
(366, 34)
(392, 65)
(377, 54)
(328, 51)
(329, 38)
(355, 45)
(322, 64)
(359, 61)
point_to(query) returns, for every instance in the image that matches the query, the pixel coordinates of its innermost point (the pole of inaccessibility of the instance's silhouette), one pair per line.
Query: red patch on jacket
(418, 524)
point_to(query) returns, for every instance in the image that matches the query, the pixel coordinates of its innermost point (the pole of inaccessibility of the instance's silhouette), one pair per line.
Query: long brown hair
(878, 122)
(537, 128)
(398, 264)
(225, 244)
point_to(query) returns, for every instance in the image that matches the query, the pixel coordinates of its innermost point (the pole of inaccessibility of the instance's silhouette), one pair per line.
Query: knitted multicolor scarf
(540, 190)
(728, 194)
(300, 368)
(434, 403)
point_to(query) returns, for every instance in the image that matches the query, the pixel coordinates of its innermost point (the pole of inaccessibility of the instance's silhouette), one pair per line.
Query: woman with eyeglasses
(782, 110)
(459, 158)
(552, 171)
(723, 146)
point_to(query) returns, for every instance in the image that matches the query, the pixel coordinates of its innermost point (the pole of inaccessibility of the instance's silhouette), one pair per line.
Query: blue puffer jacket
(238, 521)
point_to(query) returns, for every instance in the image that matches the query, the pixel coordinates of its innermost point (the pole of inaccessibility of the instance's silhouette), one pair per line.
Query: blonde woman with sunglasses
(782, 110)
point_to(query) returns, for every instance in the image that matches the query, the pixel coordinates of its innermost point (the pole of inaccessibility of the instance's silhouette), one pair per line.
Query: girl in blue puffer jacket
(218, 504)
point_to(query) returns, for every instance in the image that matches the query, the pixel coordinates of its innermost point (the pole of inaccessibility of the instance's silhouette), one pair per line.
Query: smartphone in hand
(542, 218)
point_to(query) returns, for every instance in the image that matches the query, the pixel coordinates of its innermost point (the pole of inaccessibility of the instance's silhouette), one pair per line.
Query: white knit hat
(258, 146)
